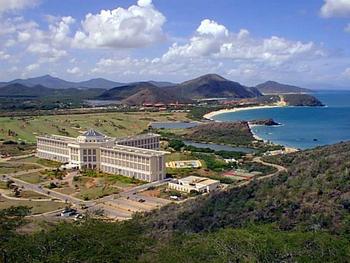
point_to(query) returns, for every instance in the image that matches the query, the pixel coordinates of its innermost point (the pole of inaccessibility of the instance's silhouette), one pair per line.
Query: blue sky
(299, 42)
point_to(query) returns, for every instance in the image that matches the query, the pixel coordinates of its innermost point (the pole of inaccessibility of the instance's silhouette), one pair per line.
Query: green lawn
(33, 178)
(116, 180)
(113, 124)
(16, 149)
(31, 195)
(3, 185)
(38, 207)
(96, 192)
(179, 156)
(36, 160)
(6, 168)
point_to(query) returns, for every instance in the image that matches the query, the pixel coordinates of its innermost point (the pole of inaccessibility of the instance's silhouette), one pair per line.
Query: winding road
(117, 206)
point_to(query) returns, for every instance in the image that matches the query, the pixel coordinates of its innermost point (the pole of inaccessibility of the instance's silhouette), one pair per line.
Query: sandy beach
(210, 115)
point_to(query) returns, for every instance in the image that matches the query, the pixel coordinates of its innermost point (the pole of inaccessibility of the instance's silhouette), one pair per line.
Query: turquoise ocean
(302, 127)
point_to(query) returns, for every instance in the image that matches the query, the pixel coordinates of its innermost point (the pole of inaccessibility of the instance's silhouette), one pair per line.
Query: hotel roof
(137, 137)
(93, 133)
(198, 180)
(135, 150)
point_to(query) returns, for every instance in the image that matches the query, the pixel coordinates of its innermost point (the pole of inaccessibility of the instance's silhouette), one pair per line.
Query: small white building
(194, 183)
(184, 164)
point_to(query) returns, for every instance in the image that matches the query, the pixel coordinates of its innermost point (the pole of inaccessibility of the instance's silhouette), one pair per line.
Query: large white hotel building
(138, 156)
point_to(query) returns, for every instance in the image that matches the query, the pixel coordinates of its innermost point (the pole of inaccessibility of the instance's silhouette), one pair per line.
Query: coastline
(210, 115)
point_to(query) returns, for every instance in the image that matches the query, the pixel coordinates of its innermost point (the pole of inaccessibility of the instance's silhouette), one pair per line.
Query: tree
(10, 219)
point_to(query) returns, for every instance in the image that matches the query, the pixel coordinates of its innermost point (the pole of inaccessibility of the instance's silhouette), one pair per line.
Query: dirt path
(258, 160)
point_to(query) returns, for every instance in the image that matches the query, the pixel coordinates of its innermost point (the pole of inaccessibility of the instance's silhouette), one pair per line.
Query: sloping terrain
(273, 87)
(313, 195)
(39, 91)
(301, 215)
(153, 96)
(237, 133)
(215, 86)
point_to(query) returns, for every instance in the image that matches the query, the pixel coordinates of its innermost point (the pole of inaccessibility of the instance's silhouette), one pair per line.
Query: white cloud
(214, 40)
(210, 27)
(144, 3)
(49, 45)
(138, 26)
(9, 5)
(335, 8)
(74, 71)
(32, 67)
(4, 55)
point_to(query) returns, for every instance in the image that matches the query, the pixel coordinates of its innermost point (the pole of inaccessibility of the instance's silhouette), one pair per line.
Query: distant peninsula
(273, 87)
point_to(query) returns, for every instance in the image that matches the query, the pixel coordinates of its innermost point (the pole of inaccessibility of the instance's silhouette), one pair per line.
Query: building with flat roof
(194, 183)
(137, 156)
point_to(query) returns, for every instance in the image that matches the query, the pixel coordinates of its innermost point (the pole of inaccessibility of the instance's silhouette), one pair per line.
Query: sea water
(302, 127)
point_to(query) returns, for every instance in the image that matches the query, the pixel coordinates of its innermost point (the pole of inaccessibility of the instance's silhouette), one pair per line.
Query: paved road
(119, 206)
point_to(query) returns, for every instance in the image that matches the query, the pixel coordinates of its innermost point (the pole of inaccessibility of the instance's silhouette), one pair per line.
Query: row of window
(53, 149)
(124, 156)
(89, 151)
(53, 157)
(137, 175)
(52, 143)
(89, 158)
(147, 145)
(128, 164)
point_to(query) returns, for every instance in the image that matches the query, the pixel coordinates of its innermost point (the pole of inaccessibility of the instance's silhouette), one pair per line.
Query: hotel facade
(136, 156)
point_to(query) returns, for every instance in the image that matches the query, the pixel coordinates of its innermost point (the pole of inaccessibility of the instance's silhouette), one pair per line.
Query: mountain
(39, 91)
(19, 90)
(154, 95)
(57, 83)
(143, 92)
(123, 92)
(273, 87)
(46, 81)
(100, 83)
(215, 86)
(161, 84)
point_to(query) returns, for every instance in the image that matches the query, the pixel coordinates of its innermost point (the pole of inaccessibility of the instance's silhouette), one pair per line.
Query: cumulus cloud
(214, 40)
(49, 45)
(4, 55)
(335, 8)
(74, 71)
(9, 5)
(131, 68)
(137, 26)
(32, 67)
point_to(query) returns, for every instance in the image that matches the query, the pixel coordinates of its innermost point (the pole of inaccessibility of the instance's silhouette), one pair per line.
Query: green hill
(301, 215)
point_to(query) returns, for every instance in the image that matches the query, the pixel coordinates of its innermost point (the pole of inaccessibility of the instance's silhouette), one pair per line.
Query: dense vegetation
(299, 216)
(234, 133)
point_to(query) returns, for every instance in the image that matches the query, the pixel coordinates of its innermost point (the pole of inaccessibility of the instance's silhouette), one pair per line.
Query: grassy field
(36, 160)
(37, 207)
(15, 149)
(32, 178)
(179, 156)
(113, 124)
(30, 195)
(90, 188)
(6, 168)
